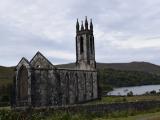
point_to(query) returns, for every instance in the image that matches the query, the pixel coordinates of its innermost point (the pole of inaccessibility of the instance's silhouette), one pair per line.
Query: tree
(130, 94)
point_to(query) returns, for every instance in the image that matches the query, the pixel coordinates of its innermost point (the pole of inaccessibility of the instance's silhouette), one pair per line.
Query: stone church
(39, 83)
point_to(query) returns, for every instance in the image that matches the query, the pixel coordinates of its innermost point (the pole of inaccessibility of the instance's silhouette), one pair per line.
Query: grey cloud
(110, 55)
(29, 26)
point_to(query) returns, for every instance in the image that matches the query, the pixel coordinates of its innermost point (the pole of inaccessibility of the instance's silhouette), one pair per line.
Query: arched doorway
(23, 84)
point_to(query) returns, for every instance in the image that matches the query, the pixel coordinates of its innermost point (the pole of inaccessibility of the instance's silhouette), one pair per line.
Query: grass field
(147, 116)
(6, 115)
(115, 99)
(6, 75)
(5, 81)
(5, 108)
(153, 114)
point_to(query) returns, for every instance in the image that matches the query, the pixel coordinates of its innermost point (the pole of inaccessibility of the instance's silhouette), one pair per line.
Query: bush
(130, 94)
(153, 92)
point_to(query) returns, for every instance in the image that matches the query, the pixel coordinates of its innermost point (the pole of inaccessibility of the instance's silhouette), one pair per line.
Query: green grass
(116, 99)
(146, 116)
(153, 114)
(5, 108)
(7, 114)
(4, 82)
(6, 75)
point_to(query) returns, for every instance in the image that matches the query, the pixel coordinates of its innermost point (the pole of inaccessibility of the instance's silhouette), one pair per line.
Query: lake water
(137, 90)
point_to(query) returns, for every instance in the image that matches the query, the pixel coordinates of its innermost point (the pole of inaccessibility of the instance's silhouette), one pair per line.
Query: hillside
(112, 74)
(6, 75)
(133, 66)
(124, 74)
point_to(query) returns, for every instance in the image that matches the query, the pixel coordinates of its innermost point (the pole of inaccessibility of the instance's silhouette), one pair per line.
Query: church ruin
(39, 83)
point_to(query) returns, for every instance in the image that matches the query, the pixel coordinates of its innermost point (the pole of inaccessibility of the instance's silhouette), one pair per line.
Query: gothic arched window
(81, 45)
(23, 83)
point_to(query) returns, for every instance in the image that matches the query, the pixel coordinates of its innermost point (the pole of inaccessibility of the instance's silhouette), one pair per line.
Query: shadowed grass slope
(6, 75)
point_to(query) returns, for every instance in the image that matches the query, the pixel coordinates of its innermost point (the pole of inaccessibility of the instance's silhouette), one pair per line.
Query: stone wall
(78, 86)
(106, 108)
(45, 87)
(58, 87)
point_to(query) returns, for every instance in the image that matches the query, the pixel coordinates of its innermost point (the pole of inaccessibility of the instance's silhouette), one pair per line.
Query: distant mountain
(6, 73)
(113, 75)
(133, 66)
(110, 75)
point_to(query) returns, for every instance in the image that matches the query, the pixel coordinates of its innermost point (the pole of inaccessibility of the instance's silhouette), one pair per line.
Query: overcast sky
(124, 30)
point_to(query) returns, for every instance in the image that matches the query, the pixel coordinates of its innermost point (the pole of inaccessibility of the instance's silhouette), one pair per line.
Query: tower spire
(82, 27)
(86, 23)
(85, 49)
(77, 25)
(91, 25)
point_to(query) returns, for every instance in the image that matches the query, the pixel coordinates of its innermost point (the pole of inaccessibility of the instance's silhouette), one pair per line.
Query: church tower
(85, 49)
